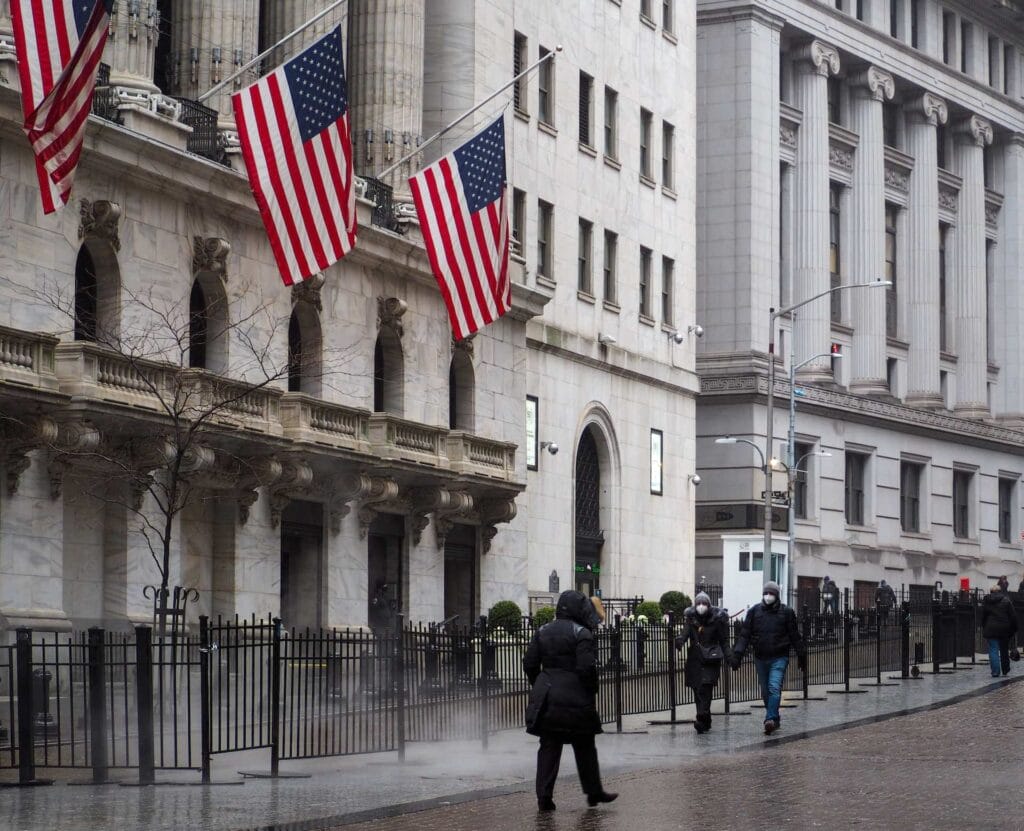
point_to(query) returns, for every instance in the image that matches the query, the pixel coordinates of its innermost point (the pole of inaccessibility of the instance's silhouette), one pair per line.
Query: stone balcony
(27, 359)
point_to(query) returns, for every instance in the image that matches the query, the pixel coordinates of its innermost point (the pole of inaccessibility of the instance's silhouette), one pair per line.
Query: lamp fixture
(697, 329)
(550, 446)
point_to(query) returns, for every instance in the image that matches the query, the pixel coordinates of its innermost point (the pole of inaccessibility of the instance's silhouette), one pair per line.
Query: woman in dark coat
(560, 663)
(706, 634)
(998, 625)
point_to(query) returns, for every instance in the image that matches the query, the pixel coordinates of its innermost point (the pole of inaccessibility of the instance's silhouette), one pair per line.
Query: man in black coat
(706, 635)
(560, 663)
(771, 628)
(998, 625)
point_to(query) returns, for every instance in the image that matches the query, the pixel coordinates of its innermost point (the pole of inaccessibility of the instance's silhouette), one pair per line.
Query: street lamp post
(774, 315)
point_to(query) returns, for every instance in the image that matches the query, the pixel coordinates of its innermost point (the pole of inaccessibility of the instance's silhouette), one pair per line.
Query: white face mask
(702, 609)
(768, 599)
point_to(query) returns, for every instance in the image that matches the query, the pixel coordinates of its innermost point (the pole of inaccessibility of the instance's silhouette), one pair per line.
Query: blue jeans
(771, 672)
(999, 655)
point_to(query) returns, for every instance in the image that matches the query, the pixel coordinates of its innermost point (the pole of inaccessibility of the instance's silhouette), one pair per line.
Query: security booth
(745, 569)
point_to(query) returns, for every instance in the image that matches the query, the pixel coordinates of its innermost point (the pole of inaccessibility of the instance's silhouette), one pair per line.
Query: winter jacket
(560, 664)
(703, 630)
(885, 596)
(771, 630)
(998, 617)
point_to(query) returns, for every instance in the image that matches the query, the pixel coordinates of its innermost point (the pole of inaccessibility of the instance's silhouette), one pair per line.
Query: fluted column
(922, 284)
(212, 38)
(1008, 299)
(131, 48)
(867, 238)
(8, 63)
(386, 85)
(813, 64)
(970, 290)
(282, 18)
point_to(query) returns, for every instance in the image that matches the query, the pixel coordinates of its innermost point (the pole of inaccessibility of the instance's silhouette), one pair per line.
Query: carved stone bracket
(820, 55)
(296, 480)
(466, 344)
(308, 291)
(458, 505)
(75, 439)
(254, 474)
(99, 220)
(390, 311)
(341, 491)
(492, 512)
(443, 503)
(375, 491)
(21, 437)
(210, 254)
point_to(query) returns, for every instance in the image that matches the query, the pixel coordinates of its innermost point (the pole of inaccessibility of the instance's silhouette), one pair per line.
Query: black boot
(546, 804)
(597, 798)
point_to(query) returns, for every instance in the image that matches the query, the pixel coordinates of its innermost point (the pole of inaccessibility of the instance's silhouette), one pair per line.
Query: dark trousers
(702, 696)
(549, 755)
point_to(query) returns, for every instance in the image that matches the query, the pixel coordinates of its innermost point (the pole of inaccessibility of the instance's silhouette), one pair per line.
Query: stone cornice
(728, 11)
(870, 410)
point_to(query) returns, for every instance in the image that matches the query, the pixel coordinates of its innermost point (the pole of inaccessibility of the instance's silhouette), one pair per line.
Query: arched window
(85, 296)
(388, 373)
(304, 345)
(461, 392)
(589, 535)
(197, 327)
(208, 324)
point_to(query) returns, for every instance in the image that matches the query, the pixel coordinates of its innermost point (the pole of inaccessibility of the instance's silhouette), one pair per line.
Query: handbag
(711, 653)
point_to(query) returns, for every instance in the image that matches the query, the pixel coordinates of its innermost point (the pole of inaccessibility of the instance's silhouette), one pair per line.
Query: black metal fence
(100, 700)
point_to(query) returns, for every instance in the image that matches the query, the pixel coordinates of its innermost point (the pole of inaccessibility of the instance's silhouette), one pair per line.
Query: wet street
(957, 767)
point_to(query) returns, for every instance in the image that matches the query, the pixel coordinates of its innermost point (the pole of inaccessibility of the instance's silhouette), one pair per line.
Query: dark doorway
(808, 593)
(460, 575)
(385, 573)
(864, 594)
(589, 535)
(86, 302)
(197, 327)
(302, 565)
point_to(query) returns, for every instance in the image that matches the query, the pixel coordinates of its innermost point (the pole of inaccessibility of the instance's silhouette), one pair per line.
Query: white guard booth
(745, 570)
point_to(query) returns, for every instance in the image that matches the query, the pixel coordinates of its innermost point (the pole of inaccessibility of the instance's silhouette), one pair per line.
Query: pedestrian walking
(1004, 584)
(998, 625)
(770, 628)
(885, 600)
(560, 663)
(706, 635)
(830, 594)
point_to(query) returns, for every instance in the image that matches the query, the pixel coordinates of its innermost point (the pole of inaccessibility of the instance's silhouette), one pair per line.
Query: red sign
(965, 584)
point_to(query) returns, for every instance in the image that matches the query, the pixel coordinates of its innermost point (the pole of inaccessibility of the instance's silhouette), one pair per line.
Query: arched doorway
(208, 324)
(97, 293)
(388, 374)
(461, 392)
(304, 347)
(589, 534)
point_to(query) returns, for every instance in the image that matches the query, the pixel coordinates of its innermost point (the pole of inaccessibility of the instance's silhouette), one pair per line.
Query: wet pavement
(860, 777)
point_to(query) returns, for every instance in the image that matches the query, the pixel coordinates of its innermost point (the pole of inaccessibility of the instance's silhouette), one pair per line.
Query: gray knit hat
(771, 587)
(701, 597)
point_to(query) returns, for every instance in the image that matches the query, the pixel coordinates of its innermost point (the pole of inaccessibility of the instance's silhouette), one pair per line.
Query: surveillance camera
(698, 330)
(553, 449)
(696, 479)
(678, 337)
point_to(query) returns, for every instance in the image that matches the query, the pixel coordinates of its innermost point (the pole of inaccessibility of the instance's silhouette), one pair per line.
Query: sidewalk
(341, 790)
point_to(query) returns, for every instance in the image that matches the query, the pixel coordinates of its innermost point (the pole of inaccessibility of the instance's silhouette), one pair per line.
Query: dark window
(834, 100)
(966, 45)
(645, 281)
(947, 37)
(611, 131)
(910, 496)
(546, 89)
(802, 459)
(544, 241)
(518, 221)
(519, 59)
(585, 260)
(86, 306)
(895, 7)
(645, 8)
(295, 356)
(667, 154)
(645, 143)
(197, 330)
(744, 561)
(940, 146)
(836, 277)
(611, 244)
(1009, 66)
(989, 298)
(961, 503)
(891, 314)
(388, 373)
(461, 391)
(856, 470)
(860, 9)
(915, 15)
(1006, 492)
(993, 62)
(890, 375)
(586, 109)
(943, 322)
(668, 15)
(668, 268)
(589, 535)
(890, 135)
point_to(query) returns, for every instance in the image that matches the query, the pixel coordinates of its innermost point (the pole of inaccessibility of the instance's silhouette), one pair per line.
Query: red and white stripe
(468, 252)
(58, 78)
(304, 191)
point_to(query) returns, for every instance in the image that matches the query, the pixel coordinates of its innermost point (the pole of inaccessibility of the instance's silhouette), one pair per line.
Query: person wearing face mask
(771, 629)
(706, 635)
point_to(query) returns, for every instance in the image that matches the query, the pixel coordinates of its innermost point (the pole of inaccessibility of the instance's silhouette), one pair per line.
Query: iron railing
(205, 139)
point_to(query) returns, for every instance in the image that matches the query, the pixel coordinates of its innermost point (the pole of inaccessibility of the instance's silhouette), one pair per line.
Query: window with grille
(836, 278)
(611, 243)
(891, 314)
(668, 267)
(645, 143)
(962, 480)
(645, 281)
(519, 59)
(546, 89)
(667, 152)
(802, 458)
(584, 270)
(1007, 488)
(611, 129)
(910, 496)
(586, 109)
(545, 239)
(518, 221)
(856, 474)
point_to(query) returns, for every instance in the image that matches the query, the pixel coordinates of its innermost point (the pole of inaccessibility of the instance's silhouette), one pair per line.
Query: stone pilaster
(813, 64)
(922, 285)
(1008, 288)
(866, 247)
(386, 85)
(970, 290)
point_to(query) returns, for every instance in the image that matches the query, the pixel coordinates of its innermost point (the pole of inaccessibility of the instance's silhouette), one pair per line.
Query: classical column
(131, 49)
(866, 247)
(1008, 288)
(970, 289)
(280, 19)
(922, 285)
(386, 85)
(813, 63)
(212, 39)
(8, 62)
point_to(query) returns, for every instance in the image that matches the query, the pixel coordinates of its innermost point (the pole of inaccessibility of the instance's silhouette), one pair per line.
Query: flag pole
(468, 113)
(215, 89)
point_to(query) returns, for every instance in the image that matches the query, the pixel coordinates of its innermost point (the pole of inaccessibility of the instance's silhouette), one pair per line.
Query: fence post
(144, 703)
(275, 699)
(878, 642)
(846, 640)
(670, 635)
(398, 673)
(26, 745)
(806, 620)
(936, 611)
(97, 706)
(617, 655)
(905, 639)
(206, 702)
(482, 683)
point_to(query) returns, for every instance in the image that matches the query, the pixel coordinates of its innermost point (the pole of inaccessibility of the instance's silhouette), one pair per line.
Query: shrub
(545, 614)
(505, 614)
(650, 610)
(674, 603)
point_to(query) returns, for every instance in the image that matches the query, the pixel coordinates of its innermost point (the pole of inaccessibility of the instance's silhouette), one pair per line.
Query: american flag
(59, 45)
(460, 200)
(294, 130)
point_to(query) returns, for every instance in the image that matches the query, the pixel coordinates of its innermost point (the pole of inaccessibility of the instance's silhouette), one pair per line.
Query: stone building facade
(846, 142)
(352, 457)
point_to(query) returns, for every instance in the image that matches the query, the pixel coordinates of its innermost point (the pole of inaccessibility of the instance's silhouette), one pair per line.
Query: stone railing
(89, 371)
(309, 419)
(468, 453)
(27, 358)
(395, 438)
(230, 402)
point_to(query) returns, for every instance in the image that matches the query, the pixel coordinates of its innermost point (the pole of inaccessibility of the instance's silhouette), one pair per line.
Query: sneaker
(770, 727)
(597, 798)
(545, 805)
